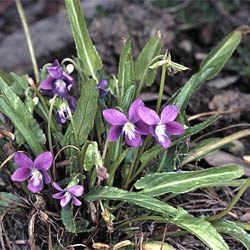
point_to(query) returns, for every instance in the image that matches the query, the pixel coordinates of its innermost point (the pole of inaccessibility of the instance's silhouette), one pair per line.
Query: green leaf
(232, 229)
(145, 201)
(20, 84)
(198, 226)
(157, 149)
(126, 72)
(112, 169)
(85, 49)
(69, 223)
(150, 51)
(84, 115)
(20, 109)
(7, 199)
(183, 182)
(201, 229)
(210, 67)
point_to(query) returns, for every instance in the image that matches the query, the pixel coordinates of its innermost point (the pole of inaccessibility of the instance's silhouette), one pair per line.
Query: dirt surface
(188, 43)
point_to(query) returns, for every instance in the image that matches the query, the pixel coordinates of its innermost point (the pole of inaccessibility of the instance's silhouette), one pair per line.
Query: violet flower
(68, 194)
(62, 114)
(160, 127)
(37, 170)
(133, 126)
(59, 82)
(102, 85)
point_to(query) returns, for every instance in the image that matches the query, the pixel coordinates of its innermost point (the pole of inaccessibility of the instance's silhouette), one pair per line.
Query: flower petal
(114, 117)
(115, 132)
(163, 140)
(55, 72)
(174, 128)
(72, 103)
(65, 200)
(57, 187)
(76, 201)
(149, 116)
(136, 141)
(35, 185)
(21, 174)
(142, 127)
(47, 83)
(46, 177)
(169, 113)
(133, 110)
(43, 161)
(58, 195)
(22, 160)
(76, 190)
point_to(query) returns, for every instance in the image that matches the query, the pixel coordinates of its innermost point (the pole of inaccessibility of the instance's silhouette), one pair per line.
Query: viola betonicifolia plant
(101, 151)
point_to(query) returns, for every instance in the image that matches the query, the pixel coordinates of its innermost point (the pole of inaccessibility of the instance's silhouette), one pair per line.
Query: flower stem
(49, 123)
(28, 38)
(131, 169)
(233, 202)
(73, 126)
(163, 76)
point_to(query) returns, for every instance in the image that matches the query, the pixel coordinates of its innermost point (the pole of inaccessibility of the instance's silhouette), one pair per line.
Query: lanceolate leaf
(210, 67)
(84, 115)
(201, 228)
(182, 182)
(20, 125)
(157, 149)
(198, 226)
(24, 122)
(232, 229)
(150, 51)
(126, 71)
(85, 49)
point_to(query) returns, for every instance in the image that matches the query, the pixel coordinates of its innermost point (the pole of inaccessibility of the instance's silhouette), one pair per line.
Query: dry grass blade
(31, 227)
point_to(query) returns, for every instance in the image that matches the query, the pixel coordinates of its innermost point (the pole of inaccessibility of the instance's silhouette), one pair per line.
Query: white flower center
(68, 197)
(160, 132)
(129, 130)
(37, 176)
(60, 85)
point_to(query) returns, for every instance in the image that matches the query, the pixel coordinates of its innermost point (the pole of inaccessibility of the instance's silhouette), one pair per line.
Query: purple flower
(59, 82)
(102, 88)
(158, 127)
(133, 126)
(62, 114)
(68, 194)
(37, 170)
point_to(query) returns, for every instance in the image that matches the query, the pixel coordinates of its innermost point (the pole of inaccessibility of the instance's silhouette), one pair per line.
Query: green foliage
(84, 115)
(209, 68)
(126, 73)
(149, 52)
(7, 199)
(85, 49)
(183, 182)
(198, 226)
(26, 125)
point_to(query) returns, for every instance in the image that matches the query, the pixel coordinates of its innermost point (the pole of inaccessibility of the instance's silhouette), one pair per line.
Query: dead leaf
(221, 158)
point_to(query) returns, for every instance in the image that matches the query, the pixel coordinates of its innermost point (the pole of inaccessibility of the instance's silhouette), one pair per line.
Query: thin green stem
(231, 205)
(73, 126)
(131, 169)
(49, 123)
(145, 74)
(28, 38)
(163, 76)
